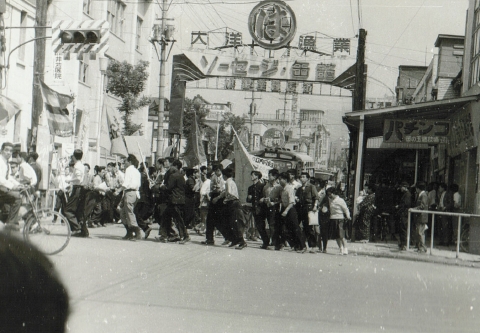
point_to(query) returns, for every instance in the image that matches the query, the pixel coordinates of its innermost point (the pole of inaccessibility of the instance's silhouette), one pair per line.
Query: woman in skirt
(339, 213)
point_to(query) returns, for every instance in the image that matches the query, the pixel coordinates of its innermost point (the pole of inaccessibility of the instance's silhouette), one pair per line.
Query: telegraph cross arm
(80, 37)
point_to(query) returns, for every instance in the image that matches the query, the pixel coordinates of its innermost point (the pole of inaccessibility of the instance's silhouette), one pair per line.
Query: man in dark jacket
(144, 207)
(254, 195)
(402, 212)
(307, 200)
(175, 188)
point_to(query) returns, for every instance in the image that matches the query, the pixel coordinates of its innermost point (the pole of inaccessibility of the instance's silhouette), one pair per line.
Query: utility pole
(38, 65)
(360, 74)
(358, 140)
(3, 46)
(252, 113)
(161, 94)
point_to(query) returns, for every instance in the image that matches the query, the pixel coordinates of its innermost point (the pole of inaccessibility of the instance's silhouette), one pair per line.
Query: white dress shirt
(76, 178)
(132, 180)
(27, 173)
(5, 178)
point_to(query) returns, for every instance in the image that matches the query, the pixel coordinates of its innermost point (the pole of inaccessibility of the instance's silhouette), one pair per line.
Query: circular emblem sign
(273, 138)
(272, 24)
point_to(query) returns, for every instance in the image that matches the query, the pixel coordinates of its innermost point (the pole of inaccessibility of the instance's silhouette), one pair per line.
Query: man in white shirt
(26, 173)
(130, 186)
(76, 200)
(9, 187)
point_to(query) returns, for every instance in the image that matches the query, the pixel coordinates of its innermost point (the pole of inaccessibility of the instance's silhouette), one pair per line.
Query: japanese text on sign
(416, 131)
(464, 132)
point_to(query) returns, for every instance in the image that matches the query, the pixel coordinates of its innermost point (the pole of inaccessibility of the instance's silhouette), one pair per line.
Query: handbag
(312, 218)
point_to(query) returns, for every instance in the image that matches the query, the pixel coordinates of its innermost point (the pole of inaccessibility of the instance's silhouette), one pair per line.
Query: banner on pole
(55, 107)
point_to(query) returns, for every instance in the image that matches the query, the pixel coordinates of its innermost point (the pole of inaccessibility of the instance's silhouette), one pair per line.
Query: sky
(400, 32)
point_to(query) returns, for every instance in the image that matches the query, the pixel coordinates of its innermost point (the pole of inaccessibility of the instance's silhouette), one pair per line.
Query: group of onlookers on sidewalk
(383, 212)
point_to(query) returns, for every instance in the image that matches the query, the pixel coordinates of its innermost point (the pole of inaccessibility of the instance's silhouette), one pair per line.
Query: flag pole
(216, 143)
(74, 117)
(144, 165)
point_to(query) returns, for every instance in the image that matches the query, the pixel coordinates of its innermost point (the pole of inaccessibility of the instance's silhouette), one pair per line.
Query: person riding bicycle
(9, 187)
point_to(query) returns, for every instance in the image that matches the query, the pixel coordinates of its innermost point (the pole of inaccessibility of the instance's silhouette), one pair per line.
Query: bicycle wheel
(47, 230)
(464, 238)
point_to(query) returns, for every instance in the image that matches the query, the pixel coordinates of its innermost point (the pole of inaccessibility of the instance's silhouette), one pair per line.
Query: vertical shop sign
(464, 133)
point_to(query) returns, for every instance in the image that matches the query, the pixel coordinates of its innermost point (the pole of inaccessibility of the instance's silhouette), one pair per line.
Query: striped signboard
(80, 48)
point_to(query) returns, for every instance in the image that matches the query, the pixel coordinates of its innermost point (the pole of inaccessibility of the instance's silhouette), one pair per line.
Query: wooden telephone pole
(38, 65)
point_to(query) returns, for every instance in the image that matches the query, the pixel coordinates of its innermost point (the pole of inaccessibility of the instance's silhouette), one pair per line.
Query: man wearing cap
(76, 200)
(9, 187)
(402, 211)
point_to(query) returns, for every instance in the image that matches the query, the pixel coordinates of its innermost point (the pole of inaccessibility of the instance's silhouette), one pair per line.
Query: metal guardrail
(434, 212)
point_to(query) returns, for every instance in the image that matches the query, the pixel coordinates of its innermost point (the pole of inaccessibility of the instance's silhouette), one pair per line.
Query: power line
(221, 18)
(396, 41)
(351, 14)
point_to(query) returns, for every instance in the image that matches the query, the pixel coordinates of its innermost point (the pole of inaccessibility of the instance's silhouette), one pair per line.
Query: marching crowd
(283, 209)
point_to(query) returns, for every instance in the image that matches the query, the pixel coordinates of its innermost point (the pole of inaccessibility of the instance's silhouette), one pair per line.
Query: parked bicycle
(44, 228)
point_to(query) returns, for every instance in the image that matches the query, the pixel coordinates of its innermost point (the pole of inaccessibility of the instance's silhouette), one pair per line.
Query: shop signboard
(464, 132)
(425, 131)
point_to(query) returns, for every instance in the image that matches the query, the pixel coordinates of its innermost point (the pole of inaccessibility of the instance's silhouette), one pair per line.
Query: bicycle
(46, 229)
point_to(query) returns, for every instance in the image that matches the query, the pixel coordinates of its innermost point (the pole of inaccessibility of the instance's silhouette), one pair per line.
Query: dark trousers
(74, 209)
(101, 211)
(290, 222)
(14, 200)
(308, 230)
(295, 236)
(402, 230)
(143, 210)
(92, 199)
(216, 219)
(445, 228)
(324, 222)
(260, 224)
(166, 230)
(189, 212)
(236, 221)
(175, 212)
(114, 201)
(270, 213)
(60, 202)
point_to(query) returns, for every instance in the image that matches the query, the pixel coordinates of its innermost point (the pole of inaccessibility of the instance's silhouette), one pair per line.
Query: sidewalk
(440, 254)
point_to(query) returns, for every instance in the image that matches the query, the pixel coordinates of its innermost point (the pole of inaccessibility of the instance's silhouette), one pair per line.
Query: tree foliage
(193, 106)
(226, 135)
(225, 138)
(127, 82)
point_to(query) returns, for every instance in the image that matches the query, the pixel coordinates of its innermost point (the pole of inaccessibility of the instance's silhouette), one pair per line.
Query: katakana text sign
(428, 131)
(213, 64)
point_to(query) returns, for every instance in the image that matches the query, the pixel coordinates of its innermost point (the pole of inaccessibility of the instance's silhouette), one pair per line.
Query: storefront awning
(431, 110)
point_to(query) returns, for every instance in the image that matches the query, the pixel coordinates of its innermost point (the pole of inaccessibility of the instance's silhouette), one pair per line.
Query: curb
(411, 256)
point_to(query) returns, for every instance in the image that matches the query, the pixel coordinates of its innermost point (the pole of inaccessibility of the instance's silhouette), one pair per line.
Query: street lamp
(103, 64)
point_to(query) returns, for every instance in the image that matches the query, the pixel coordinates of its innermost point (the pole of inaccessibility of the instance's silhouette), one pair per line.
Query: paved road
(143, 286)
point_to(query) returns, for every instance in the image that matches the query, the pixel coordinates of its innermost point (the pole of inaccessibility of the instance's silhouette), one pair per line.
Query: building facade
(130, 30)
(408, 79)
(17, 80)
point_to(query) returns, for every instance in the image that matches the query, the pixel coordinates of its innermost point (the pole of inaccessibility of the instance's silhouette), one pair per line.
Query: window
(86, 6)
(83, 72)
(139, 32)
(115, 16)
(22, 33)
